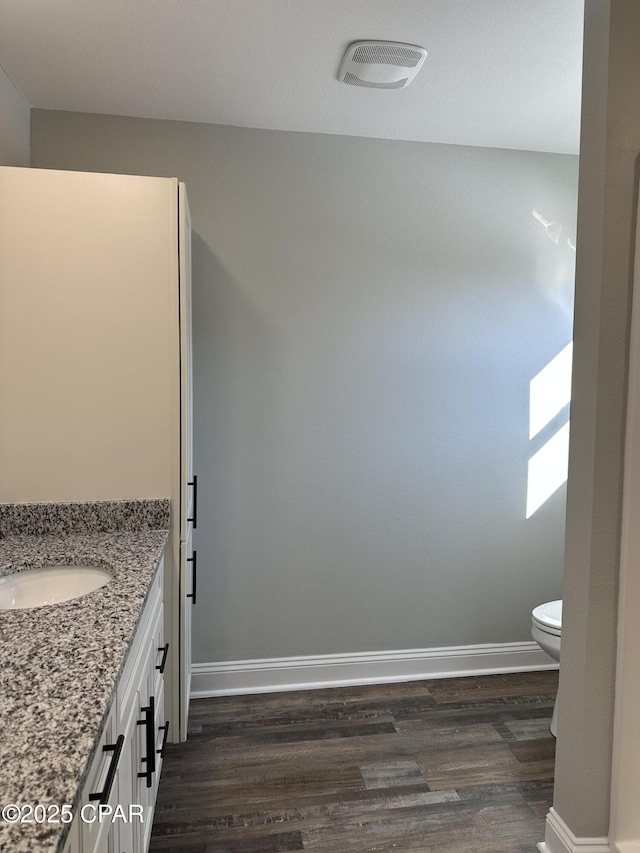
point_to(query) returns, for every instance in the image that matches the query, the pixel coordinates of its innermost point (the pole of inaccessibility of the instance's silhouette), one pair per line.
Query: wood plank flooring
(455, 765)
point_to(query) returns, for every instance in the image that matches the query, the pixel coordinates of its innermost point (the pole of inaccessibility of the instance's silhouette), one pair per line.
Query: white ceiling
(500, 73)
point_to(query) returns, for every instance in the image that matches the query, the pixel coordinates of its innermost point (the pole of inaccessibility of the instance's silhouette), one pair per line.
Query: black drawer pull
(150, 758)
(165, 651)
(193, 560)
(194, 517)
(164, 738)
(116, 749)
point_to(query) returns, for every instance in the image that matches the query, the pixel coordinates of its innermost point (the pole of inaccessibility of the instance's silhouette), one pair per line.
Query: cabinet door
(188, 576)
(130, 837)
(94, 831)
(146, 794)
(161, 723)
(145, 757)
(141, 689)
(72, 844)
(125, 832)
(180, 673)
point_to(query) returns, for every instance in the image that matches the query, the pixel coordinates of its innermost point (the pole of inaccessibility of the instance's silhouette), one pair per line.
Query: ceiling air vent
(381, 64)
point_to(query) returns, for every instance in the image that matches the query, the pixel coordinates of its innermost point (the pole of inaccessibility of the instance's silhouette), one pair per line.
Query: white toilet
(546, 630)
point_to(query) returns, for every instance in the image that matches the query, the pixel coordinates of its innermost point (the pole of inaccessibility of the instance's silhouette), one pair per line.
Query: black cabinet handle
(165, 651)
(194, 517)
(193, 560)
(150, 758)
(116, 749)
(164, 738)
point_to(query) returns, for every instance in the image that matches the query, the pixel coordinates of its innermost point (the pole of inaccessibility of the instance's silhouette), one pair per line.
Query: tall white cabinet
(95, 361)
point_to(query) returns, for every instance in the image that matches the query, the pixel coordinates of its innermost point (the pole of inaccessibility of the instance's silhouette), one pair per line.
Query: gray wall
(606, 235)
(14, 124)
(367, 317)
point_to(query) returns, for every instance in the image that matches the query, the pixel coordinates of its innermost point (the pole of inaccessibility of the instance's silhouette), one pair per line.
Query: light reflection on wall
(549, 393)
(550, 390)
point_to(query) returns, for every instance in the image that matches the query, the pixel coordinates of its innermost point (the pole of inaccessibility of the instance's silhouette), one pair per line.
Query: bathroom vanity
(95, 362)
(82, 682)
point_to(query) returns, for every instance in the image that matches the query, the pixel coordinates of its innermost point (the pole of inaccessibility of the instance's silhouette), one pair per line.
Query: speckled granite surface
(59, 665)
(90, 517)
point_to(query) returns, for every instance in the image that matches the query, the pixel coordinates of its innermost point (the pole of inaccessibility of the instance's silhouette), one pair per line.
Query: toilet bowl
(546, 630)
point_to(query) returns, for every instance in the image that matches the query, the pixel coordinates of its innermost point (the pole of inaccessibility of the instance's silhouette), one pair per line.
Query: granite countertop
(60, 664)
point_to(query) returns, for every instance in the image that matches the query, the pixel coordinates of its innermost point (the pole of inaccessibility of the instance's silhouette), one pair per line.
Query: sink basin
(50, 585)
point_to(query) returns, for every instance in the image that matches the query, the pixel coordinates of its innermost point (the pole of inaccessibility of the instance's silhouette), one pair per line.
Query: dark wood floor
(451, 765)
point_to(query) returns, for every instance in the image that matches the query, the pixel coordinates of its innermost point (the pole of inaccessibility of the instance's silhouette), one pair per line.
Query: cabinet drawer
(159, 659)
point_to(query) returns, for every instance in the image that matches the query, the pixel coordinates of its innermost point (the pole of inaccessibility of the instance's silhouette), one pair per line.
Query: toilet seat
(546, 628)
(548, 617)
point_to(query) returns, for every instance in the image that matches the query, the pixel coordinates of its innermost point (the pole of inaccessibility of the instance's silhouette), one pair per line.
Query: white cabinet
(189, 571)
(125, 770)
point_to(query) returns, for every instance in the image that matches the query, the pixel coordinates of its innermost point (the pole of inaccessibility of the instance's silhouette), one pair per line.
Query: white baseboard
(272, 675)
(560, 839)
